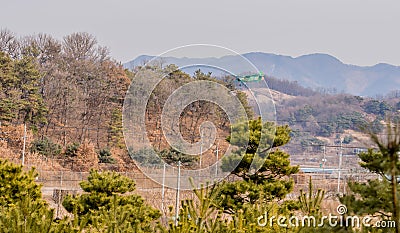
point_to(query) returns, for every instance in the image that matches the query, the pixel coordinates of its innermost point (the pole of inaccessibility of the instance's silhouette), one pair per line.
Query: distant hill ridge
(313, 70)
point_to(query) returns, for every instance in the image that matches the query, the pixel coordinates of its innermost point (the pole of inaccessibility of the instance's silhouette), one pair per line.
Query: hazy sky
(361, 32)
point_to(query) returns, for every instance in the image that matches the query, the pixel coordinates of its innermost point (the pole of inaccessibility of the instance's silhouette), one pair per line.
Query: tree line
(69, 90)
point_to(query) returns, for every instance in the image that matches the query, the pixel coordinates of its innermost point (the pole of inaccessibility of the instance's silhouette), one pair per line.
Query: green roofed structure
(251, 78)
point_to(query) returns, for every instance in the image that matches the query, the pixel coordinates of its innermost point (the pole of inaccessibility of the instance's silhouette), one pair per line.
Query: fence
(58, 182)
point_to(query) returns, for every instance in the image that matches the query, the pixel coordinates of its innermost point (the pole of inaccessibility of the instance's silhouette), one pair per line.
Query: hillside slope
(314, 70)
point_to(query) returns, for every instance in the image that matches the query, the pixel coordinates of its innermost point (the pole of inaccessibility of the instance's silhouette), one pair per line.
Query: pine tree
(21, 205)
(115, 135)
(311, 204)
(114, 219)
(8, 91)
(21, 100)
(32, 108)
(27, 215)
(379, 197)
(200, 214)
(111, 191)
(262, 167)
(15, 184)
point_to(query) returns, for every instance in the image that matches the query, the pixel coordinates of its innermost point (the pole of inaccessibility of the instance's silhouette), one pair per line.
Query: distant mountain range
(314, 70)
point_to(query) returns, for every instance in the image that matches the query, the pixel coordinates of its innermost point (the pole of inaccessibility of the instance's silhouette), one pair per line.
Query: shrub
(105, 156)
(72, 149)
(347, 139)
(45, 147)
(21, 205)
(144, 156)
(109, 204)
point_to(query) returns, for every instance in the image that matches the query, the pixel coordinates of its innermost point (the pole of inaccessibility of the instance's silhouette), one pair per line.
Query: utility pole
(178, 185)
(163, 190)
(324, 160)
(344, 181)
(24, 146)
(340, 164)
(216, 164)
(201, 146)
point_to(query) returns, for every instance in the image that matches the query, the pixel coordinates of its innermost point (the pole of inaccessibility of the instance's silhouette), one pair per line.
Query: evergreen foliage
(45, 147)
(106, 194)
(115, 135)
(311, 204)
(268, 178)
(16, 184)
(72, 149)
(201, 214)
(379, 197)
(172, 156)
(20, 91)
(21, 206)
(105, 156)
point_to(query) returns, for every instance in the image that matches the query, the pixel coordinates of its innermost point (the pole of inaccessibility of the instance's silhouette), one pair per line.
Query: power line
(331, 146)
(326, 122)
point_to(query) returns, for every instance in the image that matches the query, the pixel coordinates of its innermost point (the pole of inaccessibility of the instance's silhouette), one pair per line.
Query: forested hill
(70, 94)
(318, 118)
(315, 71)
